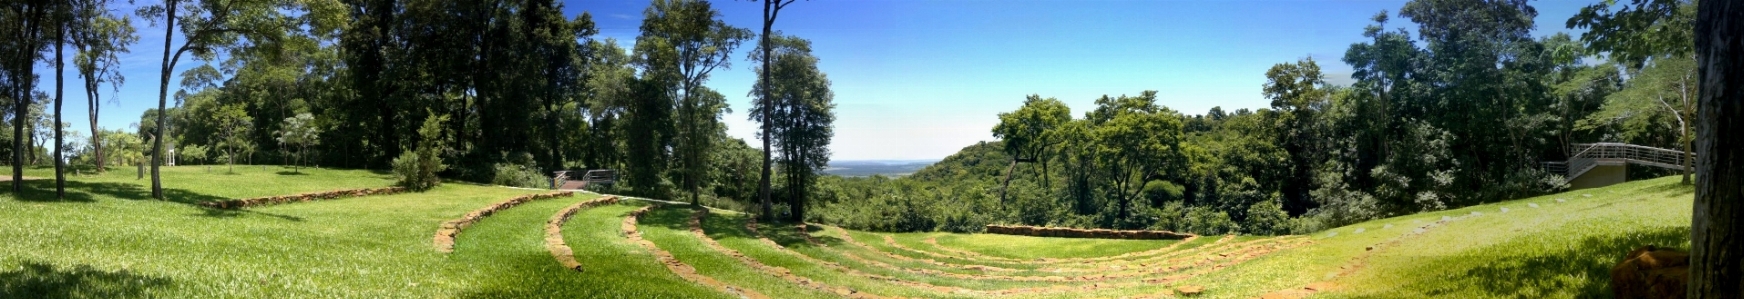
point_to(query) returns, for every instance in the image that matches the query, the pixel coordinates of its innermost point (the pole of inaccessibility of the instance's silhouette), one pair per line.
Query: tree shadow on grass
(1584, 268)
(42, 280)
(281, 172)
(77, 191)
(788, 234)
(1673, 189)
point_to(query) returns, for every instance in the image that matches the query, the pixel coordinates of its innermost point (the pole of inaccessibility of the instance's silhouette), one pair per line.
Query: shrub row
(1066, 232)
(554, 231)
(450, 229)
(312, 196)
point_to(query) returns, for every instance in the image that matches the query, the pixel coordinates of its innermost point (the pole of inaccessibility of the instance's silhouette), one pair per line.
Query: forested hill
(982, 162)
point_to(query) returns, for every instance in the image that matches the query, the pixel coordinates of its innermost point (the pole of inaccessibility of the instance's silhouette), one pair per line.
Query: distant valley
(890, 168)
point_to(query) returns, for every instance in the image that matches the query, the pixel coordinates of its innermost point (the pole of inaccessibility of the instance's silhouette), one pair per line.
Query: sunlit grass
(108, 239)
(1025, 247)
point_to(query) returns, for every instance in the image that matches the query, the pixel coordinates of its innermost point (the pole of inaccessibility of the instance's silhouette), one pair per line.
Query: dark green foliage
(416, 169)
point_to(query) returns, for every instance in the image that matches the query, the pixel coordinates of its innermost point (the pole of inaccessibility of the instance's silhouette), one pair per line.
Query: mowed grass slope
(104, 243)
(107, 239)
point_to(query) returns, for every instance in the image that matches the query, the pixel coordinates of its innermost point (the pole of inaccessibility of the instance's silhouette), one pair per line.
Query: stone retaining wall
(554, 231)
(1066, 232)
(450, 229)
(312, 196)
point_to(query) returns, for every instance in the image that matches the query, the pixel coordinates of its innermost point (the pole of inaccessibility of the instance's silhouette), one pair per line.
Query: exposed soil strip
(984, 269)
(554, 231)
(783, 273)
(680, 268)
(1135, 271)
(850, 239)
(891, 241)
(445, 234)
(979, 256)
(311, 196)
(1356, 263)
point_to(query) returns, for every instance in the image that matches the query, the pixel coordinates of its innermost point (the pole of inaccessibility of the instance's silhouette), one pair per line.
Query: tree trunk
(162, 99)
(93, 98)
(1717, 229)
(769, 12)
(60, 92)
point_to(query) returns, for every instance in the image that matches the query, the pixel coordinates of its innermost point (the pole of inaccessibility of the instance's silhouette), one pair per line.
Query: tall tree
(98, 61)
(1643, 35)
(1717, 228)
(1029, 132)
(209, 26)
(24, 29)
(802, 119)
(686, 41)
(63, 18)
(771, 10)
(1298, 93)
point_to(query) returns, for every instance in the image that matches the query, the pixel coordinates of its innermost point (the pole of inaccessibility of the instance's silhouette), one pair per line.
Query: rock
(1360, 230)
(1651, 272)
(1533, 205)
(1190, 290)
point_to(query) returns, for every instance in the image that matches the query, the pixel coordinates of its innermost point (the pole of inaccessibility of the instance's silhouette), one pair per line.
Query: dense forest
(1462, 110)
(504, 92)
(1458, 104)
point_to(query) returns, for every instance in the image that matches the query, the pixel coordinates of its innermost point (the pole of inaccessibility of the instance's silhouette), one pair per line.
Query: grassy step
(511, 243)
(668, 228)
(1026, 248)
(911, 255)
(110, 245)
(617, 268)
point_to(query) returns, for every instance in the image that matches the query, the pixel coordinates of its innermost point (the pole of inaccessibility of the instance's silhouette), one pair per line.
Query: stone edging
(783, 273)
(554, 231)
(1066, 232)
(311, 196)
(677, 267)
(444, 239)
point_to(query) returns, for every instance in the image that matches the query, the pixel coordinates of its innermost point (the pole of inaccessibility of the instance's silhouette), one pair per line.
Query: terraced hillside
(461, 240)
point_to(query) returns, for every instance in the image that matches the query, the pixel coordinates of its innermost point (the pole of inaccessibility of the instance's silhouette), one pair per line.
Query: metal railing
(1586, 156)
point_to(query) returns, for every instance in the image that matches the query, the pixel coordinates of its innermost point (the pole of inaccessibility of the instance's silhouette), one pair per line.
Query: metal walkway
(1584, 157)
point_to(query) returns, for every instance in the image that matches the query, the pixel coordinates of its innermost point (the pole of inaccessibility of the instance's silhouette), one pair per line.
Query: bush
(516, 175)
(1268, 218)
(416, 169)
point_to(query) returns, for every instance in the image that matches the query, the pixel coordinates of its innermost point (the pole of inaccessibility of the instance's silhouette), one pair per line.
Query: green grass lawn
(107, 239)
(1029, 248)
(198, 183)
(109, 243)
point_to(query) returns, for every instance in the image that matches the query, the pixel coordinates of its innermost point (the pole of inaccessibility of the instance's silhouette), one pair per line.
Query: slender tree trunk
(93, 98)
(162, 99)
(21, 104)
(769, 12)
(60, 92)
(1717, 229)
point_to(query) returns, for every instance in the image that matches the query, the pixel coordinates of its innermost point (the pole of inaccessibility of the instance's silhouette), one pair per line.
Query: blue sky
(922, 79)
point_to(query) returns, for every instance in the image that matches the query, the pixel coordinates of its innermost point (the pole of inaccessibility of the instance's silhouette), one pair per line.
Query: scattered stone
(1586, 195)
(1331, 234)
(1504, 210)
(1561, 200)
(1359, 230)
(1533, 205)
(1190, 290)
(1446, 218)
(1389, 225)
(1476, 213)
